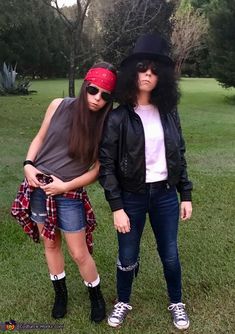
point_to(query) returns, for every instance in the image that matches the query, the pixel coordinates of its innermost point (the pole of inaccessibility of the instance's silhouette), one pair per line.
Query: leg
(71, 219)
(78, 250)
(53, 253)
(127, 263)
(129, 244)
(55, 262)
(164, 215)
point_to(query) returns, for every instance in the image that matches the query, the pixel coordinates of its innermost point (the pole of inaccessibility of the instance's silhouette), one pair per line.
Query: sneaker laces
(178, 310)
(120, 309)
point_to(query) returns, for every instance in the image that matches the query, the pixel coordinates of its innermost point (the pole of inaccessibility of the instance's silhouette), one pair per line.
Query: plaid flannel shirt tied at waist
(20, 210)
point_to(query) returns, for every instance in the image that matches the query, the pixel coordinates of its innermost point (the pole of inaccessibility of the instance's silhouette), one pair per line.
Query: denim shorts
(70, 212)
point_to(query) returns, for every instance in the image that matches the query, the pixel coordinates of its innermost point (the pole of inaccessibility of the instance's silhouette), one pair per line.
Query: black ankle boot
(98, 311)
(61, 297)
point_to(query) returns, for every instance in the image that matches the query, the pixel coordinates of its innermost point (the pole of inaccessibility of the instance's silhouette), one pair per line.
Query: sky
(66, 2)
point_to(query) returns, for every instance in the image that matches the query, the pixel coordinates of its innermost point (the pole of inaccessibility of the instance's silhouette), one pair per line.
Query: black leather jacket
(122, 155)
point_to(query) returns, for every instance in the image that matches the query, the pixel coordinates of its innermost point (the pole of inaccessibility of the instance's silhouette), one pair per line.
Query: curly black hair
(166, 93)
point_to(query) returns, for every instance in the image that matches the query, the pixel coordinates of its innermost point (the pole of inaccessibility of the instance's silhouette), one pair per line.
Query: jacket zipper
(164, 130)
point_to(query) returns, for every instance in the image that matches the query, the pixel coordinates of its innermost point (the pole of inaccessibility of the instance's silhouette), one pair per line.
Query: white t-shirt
(155, 157)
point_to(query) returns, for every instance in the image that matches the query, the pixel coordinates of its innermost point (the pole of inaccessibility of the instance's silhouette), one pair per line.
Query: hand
(121, 221)
(186, 210)
(30, 173)
(54, 188)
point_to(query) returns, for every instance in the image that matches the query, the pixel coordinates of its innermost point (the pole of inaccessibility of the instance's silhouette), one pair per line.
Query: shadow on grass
(230, 100)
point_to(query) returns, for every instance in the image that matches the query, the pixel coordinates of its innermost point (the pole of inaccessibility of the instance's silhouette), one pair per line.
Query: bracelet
(28, 162)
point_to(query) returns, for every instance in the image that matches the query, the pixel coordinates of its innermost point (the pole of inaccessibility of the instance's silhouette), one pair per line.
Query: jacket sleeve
(184, 186)
(108, 157)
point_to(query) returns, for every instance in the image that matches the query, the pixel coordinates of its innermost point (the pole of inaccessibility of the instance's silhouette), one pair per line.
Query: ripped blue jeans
(161, 203)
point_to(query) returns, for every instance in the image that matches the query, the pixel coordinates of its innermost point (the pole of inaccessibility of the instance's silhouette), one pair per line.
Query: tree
(222, 42)
(189, 28)
(204, 5)
(73, 29)
(11, 14)
(122, 21)
(30, 35)
(201, 60)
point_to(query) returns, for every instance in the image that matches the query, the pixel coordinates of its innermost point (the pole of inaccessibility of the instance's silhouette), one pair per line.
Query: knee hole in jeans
(129, 267)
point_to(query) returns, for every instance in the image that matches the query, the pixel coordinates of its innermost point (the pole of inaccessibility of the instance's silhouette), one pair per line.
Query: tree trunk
(178, 67)
(72, 72)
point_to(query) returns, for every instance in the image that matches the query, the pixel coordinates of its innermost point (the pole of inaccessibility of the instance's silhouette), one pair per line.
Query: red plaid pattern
(20, 210)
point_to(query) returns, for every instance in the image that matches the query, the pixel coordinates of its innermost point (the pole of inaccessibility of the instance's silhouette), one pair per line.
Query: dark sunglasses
(143, 66)
(107, 97)
(43, 178)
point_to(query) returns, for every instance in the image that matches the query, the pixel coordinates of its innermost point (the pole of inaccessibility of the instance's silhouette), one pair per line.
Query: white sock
(56, 277)
(94, 283)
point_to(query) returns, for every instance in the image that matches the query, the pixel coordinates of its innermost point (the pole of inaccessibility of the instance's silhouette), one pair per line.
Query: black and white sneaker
(118, 314)
(179, 315)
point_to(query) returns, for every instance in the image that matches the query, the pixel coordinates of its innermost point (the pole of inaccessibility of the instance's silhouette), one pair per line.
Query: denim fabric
(161, 203)
(70, 212)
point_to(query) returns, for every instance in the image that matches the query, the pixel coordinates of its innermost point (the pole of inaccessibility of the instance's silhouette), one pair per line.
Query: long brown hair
(87, 126)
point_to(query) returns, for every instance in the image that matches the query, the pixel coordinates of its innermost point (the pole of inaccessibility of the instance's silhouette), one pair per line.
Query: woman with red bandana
(61, 160)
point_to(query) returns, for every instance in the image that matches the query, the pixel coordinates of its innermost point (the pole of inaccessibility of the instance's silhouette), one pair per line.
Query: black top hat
(150, 46)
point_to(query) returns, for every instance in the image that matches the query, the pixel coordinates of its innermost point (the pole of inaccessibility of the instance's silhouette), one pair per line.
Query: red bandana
(102, 77)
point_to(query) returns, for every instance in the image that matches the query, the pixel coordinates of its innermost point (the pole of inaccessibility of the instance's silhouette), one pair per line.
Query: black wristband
(28, 162)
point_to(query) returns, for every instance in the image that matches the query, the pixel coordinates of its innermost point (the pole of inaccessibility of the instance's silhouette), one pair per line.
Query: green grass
(206, 241)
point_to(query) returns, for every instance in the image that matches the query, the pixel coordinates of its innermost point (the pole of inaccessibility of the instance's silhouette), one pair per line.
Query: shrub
(9, 84)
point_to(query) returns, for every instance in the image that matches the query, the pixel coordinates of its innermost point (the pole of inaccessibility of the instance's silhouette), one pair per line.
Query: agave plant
(8, 78)
(9, 84)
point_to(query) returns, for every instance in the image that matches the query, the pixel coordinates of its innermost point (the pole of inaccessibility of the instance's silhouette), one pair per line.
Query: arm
(184, 186)
(108, 156)
(60, 187)
(29, 170)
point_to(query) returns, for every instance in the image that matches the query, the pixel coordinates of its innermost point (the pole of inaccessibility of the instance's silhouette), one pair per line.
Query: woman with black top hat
(142, 168)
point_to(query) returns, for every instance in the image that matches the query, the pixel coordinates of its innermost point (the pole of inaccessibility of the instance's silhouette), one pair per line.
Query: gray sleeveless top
(53, 156)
